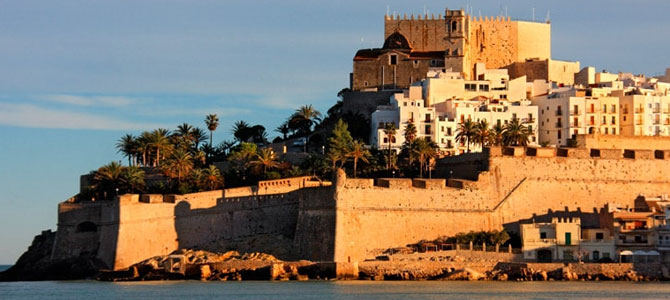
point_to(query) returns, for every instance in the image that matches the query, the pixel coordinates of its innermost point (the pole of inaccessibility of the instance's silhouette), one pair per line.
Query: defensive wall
(351, 219)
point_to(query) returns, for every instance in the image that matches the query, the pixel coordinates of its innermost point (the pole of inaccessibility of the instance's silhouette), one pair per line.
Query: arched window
(454, 26)
(87, 227)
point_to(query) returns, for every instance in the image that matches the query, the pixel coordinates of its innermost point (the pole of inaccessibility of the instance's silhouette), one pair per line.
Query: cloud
(28, 115)
(92, 100)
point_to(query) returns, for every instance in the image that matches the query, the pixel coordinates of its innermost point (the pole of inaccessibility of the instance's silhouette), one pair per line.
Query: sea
(325, 290)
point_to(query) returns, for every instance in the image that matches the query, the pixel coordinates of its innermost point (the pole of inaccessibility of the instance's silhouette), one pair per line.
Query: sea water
(382, 290)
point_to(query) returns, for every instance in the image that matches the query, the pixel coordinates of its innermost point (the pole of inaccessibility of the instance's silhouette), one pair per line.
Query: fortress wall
(423, 35)
(533, 40)
(265, 222)
(493, 41)
(606, 141)
(69, 238)
(514, 188)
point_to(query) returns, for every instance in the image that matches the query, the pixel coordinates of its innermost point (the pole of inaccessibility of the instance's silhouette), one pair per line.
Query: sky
(77, 75)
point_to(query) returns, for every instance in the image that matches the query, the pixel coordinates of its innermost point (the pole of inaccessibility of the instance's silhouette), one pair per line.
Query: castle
(457, 41)
(352, 219)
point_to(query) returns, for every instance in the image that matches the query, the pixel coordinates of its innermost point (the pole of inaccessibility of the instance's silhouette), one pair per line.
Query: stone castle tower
(457, 41)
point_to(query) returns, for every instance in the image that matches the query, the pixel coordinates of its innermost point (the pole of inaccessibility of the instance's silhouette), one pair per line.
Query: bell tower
(456, 26)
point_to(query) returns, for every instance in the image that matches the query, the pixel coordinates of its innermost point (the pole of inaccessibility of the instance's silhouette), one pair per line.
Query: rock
(542, 275)
(205, 272)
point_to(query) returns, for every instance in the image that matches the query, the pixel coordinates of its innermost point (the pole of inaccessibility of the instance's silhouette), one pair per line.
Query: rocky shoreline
(36, 264)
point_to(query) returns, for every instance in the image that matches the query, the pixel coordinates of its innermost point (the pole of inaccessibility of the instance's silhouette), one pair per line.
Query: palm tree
(199, 136)
(358, 151)
(516, 134)
(108, 178)
(425, 150)
(303, 119)
(465, 132)
(497, 134)
(410, 132)
(133, 178)
(266, 159)
(284, 129)
(144, 146)
(482, 134)
(178, 164)
(212, 178)
(241, 131)
(128, 146)
(212, 121)
(159, 141)
(184, 130)
(389, 132)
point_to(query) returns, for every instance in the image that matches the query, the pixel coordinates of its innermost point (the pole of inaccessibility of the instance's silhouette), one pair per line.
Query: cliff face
(36, 263)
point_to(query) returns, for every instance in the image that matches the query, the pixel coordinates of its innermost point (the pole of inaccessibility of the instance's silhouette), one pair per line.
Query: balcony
(576, 124)
(639, 110)
(559, 125)
(639, 122)
(657, 110)
(591, 111)
(666, 111)
(559, 113)
(528, 120)
(574, 112)
(666, 122)
(657, 121)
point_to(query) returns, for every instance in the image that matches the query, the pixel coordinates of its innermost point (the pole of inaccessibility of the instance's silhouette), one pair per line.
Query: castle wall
(533, 40)
(607, 141)
(514, 188)
(423, 35)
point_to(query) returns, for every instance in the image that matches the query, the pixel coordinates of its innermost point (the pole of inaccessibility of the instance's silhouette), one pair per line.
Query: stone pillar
(484, 246)
(509, 248)
(471, 246)
(497, 248)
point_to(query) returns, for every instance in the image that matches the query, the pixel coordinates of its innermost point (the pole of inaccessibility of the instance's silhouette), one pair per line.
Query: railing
(591, 111)
(559, 113)
(657, 121)
(574, 112)
(639, 122)
(657, 110)
(528, 120)
(639, 110)
(576, 124)
(592, 122)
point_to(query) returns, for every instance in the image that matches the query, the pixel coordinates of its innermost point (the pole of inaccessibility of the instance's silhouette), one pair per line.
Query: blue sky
(76, 75)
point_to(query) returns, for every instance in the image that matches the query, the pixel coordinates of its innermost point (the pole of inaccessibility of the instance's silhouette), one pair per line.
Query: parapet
(359, 183)
(151, 198)
(430, 184)
(127, 198)
(395, 183)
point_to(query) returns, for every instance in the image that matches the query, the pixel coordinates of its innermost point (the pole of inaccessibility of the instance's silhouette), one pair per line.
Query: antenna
(387, 10)
(533, 14)
(547, 19)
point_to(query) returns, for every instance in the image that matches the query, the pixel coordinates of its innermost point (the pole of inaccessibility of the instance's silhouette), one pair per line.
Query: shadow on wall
(263, 223)
(593, 219)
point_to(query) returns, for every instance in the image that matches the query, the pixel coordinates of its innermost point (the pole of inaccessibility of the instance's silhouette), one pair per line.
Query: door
(568, 238)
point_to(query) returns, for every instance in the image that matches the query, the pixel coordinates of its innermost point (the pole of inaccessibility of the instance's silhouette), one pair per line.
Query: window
(415, 63)
(613, 108)
(543, 235)
(613, 120)
(428, 129)
(386, 140)
(87, 227)
(596, 255)
(448, 130)
(484, 87)
(606, 130)
(503, 96)
(604, 120)
(393, 59)
(454, 26)
(365, 83)
(614, 130)
(470, 87)
(404, 103)
(599, 235)
(558, 134)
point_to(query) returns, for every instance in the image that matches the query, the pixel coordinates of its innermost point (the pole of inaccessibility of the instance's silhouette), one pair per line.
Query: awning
(653, 253)
(626, 252)
(639, 252)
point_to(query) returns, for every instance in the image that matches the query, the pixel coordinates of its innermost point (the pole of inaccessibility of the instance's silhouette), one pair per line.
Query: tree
(284, 129)
(339, 143)
(133, 179)
(158, 140)
(465, 133)
(410, 132)
(515, 133)
(425, 150)
(128, 146)
(212, 122)
(389, 133)
(497, 134)
(144, 146)
(265, 159)
(199, 136)
(178, 164)
(482, 134)
(211, 178)
(241, 156)
(241, 131)
(303, 119)
(357, 151)
(107, 179)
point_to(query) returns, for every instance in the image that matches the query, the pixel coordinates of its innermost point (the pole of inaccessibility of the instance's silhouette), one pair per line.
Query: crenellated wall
(348, 221)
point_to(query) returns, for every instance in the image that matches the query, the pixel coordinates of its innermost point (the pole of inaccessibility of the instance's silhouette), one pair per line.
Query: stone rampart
(349, 221)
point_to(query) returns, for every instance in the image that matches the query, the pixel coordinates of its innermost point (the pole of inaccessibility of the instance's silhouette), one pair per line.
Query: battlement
(579, 153)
